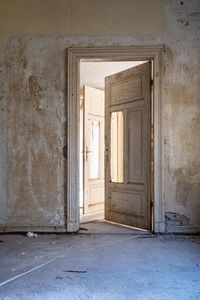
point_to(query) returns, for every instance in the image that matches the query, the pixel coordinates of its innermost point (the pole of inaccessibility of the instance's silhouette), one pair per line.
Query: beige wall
(34, 36)
(79, 17)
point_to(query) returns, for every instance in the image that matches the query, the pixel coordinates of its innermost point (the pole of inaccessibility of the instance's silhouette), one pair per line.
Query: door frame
(132, 53)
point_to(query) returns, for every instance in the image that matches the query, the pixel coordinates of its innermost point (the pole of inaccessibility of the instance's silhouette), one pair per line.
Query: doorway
(92, 140)
(120, 54)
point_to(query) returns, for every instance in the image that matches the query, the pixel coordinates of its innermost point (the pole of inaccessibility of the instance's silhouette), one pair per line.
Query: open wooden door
(93, 149)
(127, 160)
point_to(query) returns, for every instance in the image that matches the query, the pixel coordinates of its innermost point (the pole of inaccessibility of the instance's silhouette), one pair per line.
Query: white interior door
(127, 133)
(93, 150)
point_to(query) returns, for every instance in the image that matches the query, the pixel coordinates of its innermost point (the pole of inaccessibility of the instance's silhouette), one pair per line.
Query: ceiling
(94, 73)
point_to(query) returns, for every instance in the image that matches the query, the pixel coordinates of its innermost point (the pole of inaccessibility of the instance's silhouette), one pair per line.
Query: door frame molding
(132, 53)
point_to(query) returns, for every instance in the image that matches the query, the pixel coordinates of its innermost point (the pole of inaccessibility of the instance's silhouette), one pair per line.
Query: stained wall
(34, 36)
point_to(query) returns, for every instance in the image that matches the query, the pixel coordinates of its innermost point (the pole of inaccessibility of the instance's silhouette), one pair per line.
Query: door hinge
(151, 82)
(151, 203)
(65, 152)
(106, 154)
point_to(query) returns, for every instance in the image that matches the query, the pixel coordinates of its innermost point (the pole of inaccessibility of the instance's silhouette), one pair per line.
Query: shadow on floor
(106, 227)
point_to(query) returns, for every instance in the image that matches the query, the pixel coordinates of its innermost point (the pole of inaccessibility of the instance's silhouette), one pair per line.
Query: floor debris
(31, 235)
(146, 236)
(74, 271)
(82, 228)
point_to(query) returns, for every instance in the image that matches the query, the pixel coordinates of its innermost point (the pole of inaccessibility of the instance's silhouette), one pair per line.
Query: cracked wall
(33, 97)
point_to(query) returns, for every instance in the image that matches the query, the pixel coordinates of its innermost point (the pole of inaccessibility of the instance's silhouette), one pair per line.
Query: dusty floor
(104, 262)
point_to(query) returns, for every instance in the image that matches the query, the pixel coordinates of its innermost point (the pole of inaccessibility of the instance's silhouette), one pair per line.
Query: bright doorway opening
(92, 154)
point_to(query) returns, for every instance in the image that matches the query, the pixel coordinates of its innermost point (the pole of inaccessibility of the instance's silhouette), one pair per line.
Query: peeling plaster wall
(33, 82)
(182, 112)
(36, 132)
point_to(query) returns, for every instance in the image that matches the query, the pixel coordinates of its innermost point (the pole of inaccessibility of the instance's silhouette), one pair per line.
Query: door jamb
(133, 53)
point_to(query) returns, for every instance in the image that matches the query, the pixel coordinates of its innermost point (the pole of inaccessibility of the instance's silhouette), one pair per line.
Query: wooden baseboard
(183, 229)
(85, 219)
(36, 229)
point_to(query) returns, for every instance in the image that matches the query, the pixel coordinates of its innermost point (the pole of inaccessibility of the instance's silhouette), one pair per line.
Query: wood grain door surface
(127, 146)
(94, 111)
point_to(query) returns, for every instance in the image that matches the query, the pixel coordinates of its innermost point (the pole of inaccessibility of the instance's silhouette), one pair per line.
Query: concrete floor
(103, 262)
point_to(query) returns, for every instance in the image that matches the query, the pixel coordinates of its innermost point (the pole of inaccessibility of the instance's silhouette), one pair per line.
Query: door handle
(87, 151)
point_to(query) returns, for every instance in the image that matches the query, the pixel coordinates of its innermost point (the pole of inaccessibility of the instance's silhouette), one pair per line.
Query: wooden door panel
(94, 150)
(96, 195)
(135, 145)
(96, 105)
(128, 202)
(123, 92)
(128, 199)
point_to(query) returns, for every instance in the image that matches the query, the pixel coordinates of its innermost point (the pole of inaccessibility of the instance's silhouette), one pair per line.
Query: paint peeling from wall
(175, 219)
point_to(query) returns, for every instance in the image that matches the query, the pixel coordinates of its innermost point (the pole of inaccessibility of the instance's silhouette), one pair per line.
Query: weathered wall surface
(79, 17)
(34, 39)
(36, 132)
(182, 113)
